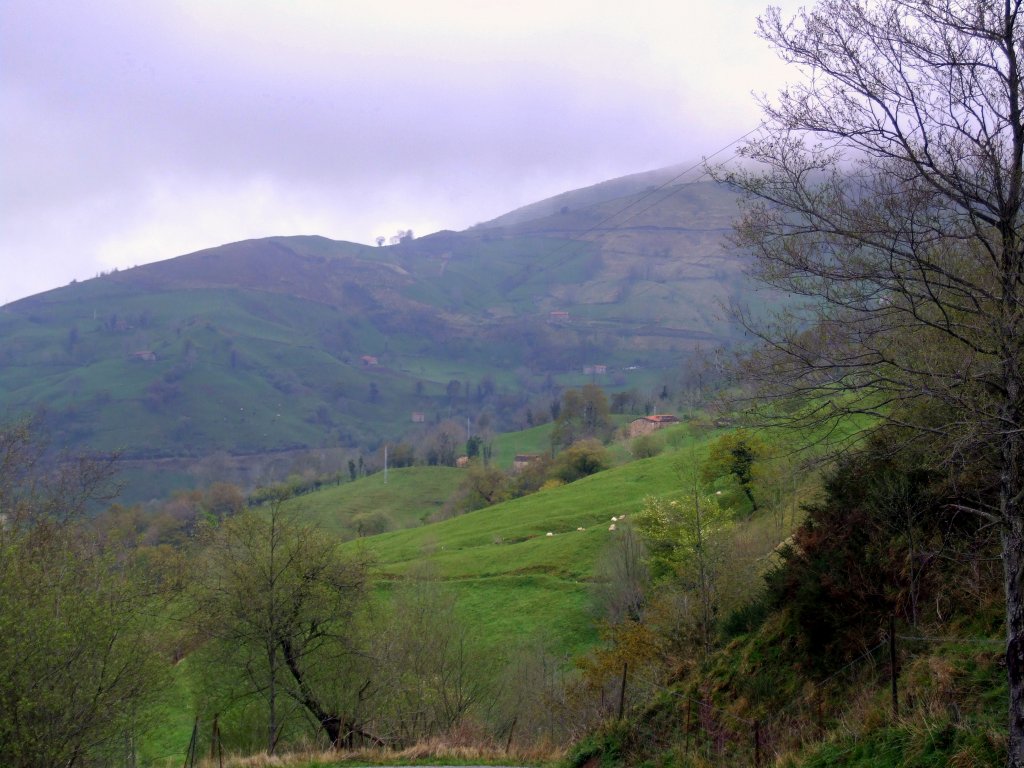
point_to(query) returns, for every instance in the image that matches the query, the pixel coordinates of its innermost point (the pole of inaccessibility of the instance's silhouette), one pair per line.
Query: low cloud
(142, 131)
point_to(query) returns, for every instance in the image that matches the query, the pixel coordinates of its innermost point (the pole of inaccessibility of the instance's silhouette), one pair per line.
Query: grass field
(508, 574)
(404, 499)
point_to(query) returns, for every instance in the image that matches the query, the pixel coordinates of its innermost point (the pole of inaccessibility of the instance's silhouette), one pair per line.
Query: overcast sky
(138, 130)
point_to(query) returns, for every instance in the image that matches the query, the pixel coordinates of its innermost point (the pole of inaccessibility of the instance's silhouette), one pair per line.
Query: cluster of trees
(285, 640)
(886, 191)
(80, 655)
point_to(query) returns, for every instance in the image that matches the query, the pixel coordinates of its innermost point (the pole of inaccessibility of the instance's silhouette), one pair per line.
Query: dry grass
(436, 751)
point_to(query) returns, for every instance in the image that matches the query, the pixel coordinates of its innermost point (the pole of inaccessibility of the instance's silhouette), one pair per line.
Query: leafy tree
(584, 413)
(646, 446)
(402, 455)
(79, 654)
(888, 191)
(430, 677)
(887, 535)
(734, 455)
(482, 486)
(622, 577)
(580, 459)
(452, 390)
(276, 598)
(687, 544)
(440, 445)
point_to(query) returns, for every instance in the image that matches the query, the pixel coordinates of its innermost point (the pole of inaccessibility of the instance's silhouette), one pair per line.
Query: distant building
(418, 418)
(652, 423)
(146, 355)
(592, 370)
(558, 315)
(369, 360)
(522, 459)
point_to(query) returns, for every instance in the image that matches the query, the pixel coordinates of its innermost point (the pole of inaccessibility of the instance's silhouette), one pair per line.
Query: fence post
(511, 730)
(190, 754)
(757, 744)
(216, 750)
(819, 706)
(689, 720)
(892, 667)
(622, 690)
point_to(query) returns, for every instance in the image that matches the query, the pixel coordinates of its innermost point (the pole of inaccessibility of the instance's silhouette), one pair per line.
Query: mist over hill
(302, 343)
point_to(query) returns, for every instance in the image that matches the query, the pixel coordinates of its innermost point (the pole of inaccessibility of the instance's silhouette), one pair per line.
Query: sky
(138, 130)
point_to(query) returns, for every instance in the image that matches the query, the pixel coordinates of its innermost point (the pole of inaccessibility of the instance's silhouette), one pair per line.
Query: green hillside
(405, 498)
(513, 578)
(288, 344)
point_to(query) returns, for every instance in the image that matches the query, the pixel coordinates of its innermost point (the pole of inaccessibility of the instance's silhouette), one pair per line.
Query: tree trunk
(1013, 566)
(272, 701)
(1011, 501)
(332, 727)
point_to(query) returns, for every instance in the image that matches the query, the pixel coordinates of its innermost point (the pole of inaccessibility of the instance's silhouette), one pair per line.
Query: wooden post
(689, 720)
(511, 730)
(893, 671)
(213, 739)
(820, 707)
(190, 754)
(216, 750)
(622, 690)
(757, 744)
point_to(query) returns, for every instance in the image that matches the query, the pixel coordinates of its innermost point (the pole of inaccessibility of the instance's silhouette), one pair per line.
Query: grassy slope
(512, 578)
(258, 343)
(408, 497)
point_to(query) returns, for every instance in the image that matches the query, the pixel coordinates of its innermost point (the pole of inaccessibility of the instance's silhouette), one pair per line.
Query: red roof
(662, 418)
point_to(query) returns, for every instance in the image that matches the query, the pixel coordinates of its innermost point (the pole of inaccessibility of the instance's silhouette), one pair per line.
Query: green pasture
(405, 498)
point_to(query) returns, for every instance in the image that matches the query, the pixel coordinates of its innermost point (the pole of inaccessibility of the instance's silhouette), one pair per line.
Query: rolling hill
(279, 347)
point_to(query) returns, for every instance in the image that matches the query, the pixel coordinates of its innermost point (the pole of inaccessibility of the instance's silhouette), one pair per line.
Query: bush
(887, 538)
(646, 446)
(582, 458)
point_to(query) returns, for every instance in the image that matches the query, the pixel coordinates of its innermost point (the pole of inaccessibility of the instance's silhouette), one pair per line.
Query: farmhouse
(651, 423)
(369, 360)
(418, 417)
(147, 355)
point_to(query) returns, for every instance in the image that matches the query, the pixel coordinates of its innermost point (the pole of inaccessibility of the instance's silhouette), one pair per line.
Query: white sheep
(550, 533)
(615, 519)
(611, 527)
(581, 528)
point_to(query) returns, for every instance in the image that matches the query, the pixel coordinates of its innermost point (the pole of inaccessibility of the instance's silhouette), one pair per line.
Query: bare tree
(279, 598)
(889, 196)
